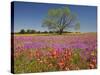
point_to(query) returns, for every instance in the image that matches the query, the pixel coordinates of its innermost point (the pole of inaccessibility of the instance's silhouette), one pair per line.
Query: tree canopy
(59, 19)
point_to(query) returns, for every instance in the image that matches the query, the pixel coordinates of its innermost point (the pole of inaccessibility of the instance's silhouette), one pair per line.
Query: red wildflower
(54, 54)
(61, 64)
(37, 54)
(91, 66)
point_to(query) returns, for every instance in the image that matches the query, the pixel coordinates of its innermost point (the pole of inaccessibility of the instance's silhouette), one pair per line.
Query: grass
(47, 34)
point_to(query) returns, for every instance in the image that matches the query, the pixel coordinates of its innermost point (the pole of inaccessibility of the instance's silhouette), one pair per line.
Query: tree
(31, 31)
(59, 19)
(45, 32)
(50, 32)
(28, 31)
(22, 31)
(38, 32)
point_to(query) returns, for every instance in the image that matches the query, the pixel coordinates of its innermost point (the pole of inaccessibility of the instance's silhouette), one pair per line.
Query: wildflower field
(46, 53)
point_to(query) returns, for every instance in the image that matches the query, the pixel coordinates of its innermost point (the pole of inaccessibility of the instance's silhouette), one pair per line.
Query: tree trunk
(60, 32)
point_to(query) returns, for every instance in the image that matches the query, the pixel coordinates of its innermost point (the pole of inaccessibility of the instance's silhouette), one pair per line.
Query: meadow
(48, 53)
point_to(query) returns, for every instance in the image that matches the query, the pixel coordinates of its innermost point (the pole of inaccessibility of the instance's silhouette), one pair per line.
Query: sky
(29, 15)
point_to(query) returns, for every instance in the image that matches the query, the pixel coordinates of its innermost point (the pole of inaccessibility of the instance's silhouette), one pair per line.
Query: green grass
(46, 34)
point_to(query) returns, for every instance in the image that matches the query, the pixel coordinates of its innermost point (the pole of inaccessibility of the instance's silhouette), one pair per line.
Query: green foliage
(31, 31)
(76, 58)
(22, 31)
(28, 31)
(78, 61)
(28, 66)
(59, 19)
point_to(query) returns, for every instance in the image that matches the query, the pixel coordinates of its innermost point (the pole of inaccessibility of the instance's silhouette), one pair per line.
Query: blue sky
(29, 15)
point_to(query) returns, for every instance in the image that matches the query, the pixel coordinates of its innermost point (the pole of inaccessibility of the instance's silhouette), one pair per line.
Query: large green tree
(60, 19)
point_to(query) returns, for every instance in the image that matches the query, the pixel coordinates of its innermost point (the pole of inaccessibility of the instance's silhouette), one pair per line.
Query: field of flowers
(34, 53)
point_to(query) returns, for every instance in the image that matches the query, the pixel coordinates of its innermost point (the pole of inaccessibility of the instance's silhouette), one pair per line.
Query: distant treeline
(29, 31)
